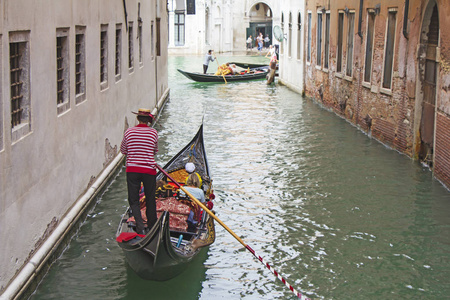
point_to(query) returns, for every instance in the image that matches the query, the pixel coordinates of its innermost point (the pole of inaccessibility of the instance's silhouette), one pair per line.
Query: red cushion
(127, 236)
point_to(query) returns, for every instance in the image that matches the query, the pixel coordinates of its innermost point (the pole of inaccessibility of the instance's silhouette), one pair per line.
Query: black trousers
(205, 68)
(134, 185)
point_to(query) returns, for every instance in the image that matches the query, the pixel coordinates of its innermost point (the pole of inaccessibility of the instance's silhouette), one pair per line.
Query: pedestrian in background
(249, 43)
(140, 144)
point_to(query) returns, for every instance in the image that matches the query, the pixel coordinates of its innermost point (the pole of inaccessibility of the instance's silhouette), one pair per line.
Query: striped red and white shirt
(140, 144)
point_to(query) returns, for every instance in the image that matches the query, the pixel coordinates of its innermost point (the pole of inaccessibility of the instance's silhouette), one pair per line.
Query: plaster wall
(291, 67)
(44, 172)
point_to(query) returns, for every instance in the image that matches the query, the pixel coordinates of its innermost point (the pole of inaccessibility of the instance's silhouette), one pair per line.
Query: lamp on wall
(377, 9)
(346, 10)
(323, 10)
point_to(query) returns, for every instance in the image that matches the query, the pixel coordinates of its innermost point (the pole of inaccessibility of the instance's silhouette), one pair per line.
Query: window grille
(60, 69)
(117, 50)
(369, 46)
(389, 52)
(351, 30)
(340, 42)
(78, 63)
(103, 56)
(130, 47)
(319, 39)
(16, 84)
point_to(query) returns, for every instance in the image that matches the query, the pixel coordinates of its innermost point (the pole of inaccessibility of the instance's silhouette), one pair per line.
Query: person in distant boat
(140, 145)
(208, 58)
(193, 187)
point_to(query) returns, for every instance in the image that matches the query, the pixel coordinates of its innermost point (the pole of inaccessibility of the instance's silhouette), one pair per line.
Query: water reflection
(336, 213)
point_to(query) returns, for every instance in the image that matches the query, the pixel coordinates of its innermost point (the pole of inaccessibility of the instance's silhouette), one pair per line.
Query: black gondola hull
(229, 78)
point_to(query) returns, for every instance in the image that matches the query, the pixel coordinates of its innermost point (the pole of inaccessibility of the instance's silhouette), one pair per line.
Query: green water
(337, 214)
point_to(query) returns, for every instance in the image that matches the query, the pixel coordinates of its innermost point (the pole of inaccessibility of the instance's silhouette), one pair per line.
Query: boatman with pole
(208, 58)
(140, 144)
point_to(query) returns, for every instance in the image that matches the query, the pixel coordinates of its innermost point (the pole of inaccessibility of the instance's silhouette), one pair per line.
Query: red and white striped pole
(299, 295)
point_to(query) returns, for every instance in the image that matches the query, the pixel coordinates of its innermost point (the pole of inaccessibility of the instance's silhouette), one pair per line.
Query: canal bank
(60, 232)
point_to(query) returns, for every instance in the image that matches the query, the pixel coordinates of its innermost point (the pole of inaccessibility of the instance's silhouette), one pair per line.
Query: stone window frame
(340, 44)
(118, 52)
(80, 64)
(326, 54)
(383, 89)
(309, 38)
(370, 13)
(319, 39)
(103, 63)
(348, 75)
(21, 39)
(62, 70)
(180, 28)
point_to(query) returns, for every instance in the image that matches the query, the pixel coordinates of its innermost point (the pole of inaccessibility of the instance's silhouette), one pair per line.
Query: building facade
(291, 48)
(222, 25)
(384, 66)
(72, 73)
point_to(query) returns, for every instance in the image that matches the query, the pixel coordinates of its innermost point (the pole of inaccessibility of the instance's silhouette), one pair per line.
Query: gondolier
(208, 58)
(140, 144)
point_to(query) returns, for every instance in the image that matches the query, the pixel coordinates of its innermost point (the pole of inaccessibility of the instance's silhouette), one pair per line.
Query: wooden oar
(219, 68)
(299, 295)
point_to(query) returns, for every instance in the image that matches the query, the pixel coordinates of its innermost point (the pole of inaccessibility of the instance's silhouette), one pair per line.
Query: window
(340, 38)
(152, 40)
(19, 62)
(62, 70)
(319, 39)
(118, 52)
(299, 35)
(327, 41)
(130, 47)
(290, 35)
(308, 52)
(389, 51)
(179, 28)
(369, 46)
(282, 34)
(140, 41)
(80, 64)
(104, 56)
(351, 29)
(158, 36)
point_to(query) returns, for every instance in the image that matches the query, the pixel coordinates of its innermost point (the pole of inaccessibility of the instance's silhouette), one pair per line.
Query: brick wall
(442, 149)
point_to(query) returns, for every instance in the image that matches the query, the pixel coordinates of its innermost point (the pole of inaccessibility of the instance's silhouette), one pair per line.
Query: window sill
(366, 85)
(318, 67)
(339, 75)
(386, 91)
(20, 131)
(325, 70)
(80, 98)
(348, 78)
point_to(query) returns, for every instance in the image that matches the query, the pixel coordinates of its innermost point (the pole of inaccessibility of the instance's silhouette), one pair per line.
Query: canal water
(337, 214)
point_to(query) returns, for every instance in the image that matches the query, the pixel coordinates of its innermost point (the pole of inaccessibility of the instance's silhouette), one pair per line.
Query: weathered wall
(44, 172)
(391, 115)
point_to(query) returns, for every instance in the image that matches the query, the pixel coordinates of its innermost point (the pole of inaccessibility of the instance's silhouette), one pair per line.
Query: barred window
(308, 51)
(19, 68)
(62, 70)
(369, 46)
(389, 51)
(15, 57)
(80, 64)
(118, 52)
(104, 55)
(130, 47)
(299, 35)
(140, 41)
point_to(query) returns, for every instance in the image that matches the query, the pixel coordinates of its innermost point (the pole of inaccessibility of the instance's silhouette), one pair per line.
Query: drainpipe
(405, 19)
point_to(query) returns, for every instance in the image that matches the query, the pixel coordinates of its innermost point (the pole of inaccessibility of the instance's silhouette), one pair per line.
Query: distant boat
(168, 248)
(255, 73)
(249, 65)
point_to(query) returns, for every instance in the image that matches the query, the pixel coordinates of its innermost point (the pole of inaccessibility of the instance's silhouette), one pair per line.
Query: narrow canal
(339, 215)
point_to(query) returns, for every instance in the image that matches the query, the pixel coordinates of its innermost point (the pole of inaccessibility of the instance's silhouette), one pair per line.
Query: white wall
(45, 172)
(291, 67)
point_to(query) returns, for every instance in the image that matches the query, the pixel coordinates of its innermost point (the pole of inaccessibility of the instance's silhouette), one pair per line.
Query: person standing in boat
(140, 145)
(208, 58)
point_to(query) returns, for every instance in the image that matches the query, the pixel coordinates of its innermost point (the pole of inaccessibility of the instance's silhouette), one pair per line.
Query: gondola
(255, 73)
(171, 244)
(249, 65)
